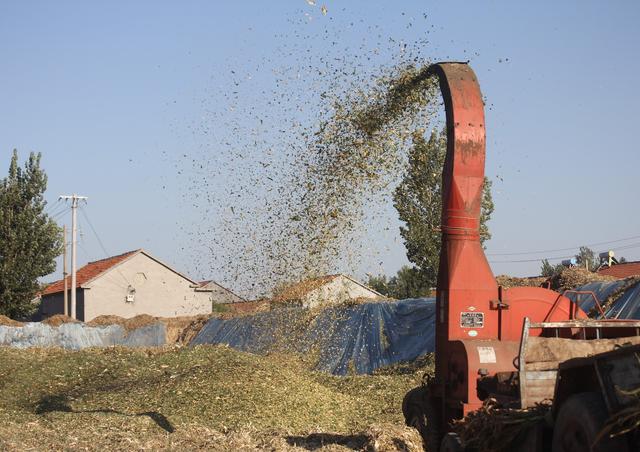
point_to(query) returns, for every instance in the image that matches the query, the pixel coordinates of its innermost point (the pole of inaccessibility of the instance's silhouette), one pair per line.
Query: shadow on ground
(49, 404)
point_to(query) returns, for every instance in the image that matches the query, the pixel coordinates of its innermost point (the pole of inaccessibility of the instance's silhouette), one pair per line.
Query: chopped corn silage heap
(340, 339)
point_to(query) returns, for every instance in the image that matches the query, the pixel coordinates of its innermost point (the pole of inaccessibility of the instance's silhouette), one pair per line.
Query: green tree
(586, 257)
(548, 269)
(407, 283)
(29, 239)
(379, 283)
(418, 200)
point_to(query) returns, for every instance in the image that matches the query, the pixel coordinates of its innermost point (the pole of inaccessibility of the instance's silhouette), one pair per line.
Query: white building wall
(158, 292)
(338, 290)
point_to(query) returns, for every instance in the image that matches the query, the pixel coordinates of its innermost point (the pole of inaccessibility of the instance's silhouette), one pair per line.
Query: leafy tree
(29, 239)
(407, 283)
(418, 200)
(587, 258)
(379, 283)
(548, 269)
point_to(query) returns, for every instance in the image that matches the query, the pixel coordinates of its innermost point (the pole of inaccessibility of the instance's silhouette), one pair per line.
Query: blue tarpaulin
(601, 289)
(626, 306)
(359, 337)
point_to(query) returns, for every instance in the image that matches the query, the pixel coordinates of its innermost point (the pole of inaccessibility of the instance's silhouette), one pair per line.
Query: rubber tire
(580, 419)
(451, 443)
(421, 412)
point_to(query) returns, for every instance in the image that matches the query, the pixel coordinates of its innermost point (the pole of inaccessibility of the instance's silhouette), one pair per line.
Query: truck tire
(451, 443)
(421, 412)
(580, 419)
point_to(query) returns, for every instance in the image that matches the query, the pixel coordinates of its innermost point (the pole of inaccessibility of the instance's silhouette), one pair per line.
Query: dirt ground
(205, 397)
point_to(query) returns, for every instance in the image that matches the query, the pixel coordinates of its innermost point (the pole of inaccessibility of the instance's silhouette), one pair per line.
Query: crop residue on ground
(190, 397)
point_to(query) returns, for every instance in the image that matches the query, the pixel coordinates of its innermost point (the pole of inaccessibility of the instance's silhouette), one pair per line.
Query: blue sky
(116, 96)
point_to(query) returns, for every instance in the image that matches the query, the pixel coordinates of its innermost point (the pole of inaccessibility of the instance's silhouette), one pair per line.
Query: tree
(407, 283)
(587, 258)
(418, 200)
(29, 239)
(379, 283)
(548, 269)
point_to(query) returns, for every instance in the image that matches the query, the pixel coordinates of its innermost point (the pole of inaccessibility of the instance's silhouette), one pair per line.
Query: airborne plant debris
(291, 179)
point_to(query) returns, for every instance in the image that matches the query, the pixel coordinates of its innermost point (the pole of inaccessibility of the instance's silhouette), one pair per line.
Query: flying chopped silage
(294, 180)
(355, 156)
(315, 223)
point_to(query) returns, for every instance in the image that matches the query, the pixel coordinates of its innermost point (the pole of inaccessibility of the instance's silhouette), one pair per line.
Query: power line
(104, 249)
(58, 213)
(86, 217)
(564, 249)
(51, 205)
(623, 247)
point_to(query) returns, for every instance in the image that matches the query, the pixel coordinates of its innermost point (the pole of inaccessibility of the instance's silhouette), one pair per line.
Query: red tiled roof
(622, 270)
(89, 272)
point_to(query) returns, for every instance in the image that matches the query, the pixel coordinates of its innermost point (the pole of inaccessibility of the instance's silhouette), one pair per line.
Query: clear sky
(115, 94)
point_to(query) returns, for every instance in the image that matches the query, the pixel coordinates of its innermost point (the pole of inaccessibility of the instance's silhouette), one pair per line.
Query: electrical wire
(564, 249)
(86, 217)
(50, 206)
(104, 249)
(60, 213)
(555, 258)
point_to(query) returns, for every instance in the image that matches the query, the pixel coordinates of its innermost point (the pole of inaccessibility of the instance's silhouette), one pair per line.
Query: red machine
(479, 325)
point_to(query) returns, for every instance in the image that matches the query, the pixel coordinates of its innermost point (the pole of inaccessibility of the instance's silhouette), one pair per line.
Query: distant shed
(219, 294)
(328, 289)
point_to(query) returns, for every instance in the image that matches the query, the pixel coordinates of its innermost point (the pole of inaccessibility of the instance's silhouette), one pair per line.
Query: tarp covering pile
(77, 335)
(621, 298)
(627, 306)
(348, 338)
(601, 289)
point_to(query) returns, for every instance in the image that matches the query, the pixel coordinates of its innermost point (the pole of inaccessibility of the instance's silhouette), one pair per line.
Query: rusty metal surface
(478, 324)
(470, 307)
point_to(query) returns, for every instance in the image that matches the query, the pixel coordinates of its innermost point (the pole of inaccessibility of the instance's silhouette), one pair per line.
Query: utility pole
(74, 229)
(64, 269)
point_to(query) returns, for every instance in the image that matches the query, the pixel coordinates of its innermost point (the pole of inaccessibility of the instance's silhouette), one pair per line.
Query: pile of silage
(6, 321)
(570, 278)
(340, 340)
(497, 429)
(191, 398)
(507, 281)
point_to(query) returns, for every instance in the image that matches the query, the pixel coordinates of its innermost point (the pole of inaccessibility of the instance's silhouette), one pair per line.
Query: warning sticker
(471, 319)
(486, 354)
